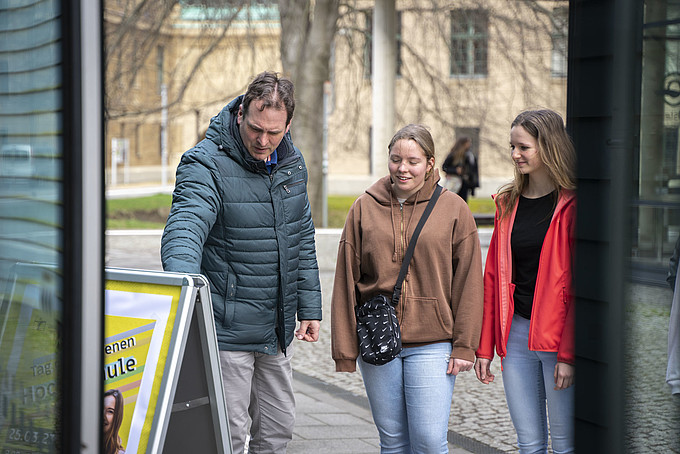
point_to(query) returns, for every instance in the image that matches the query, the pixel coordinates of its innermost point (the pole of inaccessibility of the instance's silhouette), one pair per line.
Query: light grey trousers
(259, 387)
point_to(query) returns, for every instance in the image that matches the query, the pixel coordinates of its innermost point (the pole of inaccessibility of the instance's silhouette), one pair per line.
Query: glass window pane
(30, 226)
(560, 23)
(469, 42)
(652, 353)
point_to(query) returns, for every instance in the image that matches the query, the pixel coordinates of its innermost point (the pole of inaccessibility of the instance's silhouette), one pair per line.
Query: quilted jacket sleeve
(195, 204)
(309, 287)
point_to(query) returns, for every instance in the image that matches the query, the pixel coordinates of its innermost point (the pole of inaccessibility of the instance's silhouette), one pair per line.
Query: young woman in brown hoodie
(440, 310)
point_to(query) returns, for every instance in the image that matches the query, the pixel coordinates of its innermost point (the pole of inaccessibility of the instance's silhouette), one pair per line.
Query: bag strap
(412, 245)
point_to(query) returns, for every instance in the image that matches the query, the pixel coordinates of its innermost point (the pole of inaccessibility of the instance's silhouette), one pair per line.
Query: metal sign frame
(198, 389)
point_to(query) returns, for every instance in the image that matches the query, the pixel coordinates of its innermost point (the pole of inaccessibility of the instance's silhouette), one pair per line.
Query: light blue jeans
(528, 378)
(410, 399)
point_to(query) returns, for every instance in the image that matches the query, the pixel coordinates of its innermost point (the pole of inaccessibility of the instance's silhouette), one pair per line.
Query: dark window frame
(469, 43)
(559, 38)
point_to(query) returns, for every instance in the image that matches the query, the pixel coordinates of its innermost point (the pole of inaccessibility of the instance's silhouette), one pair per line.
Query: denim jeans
(528, 378)
(410, 399)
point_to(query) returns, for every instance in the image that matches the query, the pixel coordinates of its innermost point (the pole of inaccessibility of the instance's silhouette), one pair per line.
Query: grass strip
(150, 212)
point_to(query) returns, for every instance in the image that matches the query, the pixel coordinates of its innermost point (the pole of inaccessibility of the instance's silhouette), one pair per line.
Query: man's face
(261, 130)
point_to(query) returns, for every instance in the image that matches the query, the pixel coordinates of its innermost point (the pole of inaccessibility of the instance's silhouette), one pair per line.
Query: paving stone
(351, 445)
(338, 419)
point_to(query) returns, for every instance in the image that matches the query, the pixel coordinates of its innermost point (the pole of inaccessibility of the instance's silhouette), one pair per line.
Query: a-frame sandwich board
(161, 353)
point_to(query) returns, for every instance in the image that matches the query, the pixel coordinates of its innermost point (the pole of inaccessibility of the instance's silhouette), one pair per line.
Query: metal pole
(114, 162)
(383, 82)
(164, 135)
(126, 160)
(324, 158)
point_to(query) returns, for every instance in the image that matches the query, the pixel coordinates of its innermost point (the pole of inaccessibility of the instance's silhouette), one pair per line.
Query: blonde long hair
(555, 150)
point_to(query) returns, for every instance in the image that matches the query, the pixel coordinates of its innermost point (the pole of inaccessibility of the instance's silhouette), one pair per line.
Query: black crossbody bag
(377, 324)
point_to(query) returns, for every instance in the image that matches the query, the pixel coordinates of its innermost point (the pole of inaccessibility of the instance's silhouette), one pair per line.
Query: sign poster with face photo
(139, 320)
(29, 351)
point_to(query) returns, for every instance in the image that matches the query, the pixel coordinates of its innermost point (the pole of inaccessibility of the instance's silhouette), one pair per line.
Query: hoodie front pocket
(426, 320)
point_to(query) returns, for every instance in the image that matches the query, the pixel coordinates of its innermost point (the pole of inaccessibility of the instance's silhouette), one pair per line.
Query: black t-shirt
(528, 232)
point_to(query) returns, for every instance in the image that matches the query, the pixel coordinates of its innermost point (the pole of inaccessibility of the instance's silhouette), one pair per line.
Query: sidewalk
(332, 408)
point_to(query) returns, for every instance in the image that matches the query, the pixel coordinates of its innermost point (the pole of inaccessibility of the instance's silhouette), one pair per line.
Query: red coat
(552, 316)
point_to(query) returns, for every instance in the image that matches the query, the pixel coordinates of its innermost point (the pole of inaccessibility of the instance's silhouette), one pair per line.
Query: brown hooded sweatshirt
(442, 294)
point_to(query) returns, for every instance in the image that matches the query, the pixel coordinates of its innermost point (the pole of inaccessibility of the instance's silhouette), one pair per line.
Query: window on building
(368, 43)
(469, 42)
(560, 28)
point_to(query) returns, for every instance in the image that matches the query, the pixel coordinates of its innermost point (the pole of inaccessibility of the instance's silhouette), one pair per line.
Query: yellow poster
(29, 335)
(138, 330)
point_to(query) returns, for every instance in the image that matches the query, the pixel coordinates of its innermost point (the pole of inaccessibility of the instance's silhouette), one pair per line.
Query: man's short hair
(277, 92)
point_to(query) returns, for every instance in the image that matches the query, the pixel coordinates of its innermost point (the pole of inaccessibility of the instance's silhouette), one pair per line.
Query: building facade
(463, 68)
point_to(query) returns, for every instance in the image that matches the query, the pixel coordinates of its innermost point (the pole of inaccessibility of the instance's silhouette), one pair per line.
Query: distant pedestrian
(460, 167)
(528, 307)
(440, 308)
(240, 215)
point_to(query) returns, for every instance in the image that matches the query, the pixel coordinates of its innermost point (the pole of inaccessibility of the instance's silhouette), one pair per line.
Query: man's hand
(308, 331)
(483, 370)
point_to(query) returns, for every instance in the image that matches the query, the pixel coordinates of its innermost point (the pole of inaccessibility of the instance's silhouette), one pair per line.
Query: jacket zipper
(287, 187)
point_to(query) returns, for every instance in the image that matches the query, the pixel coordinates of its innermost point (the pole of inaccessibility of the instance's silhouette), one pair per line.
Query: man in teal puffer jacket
(240, 216)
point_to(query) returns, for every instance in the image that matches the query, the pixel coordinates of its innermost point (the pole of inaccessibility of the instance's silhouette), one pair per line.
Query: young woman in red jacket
(528, 316)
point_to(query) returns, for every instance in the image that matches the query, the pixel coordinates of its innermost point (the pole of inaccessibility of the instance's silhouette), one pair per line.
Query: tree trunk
(307, 31)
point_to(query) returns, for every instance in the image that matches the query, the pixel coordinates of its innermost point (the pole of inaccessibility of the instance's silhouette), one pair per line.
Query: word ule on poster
(119, 367)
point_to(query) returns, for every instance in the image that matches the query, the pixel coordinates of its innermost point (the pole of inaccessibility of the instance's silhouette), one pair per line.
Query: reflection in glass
(30, 225)
(652, 411)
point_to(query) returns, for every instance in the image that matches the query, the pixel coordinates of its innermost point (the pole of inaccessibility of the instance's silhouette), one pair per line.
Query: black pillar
(602, 117)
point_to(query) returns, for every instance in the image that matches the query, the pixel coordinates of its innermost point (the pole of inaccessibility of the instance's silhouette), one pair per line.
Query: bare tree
(519, 40)
(138, 33)
(311, 35)
(307, 33)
